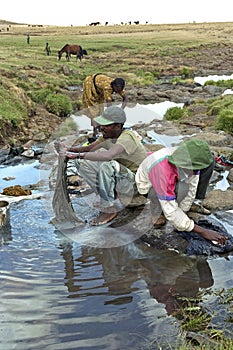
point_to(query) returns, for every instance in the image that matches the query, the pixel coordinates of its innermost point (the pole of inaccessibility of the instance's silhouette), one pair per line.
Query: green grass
(139, 54)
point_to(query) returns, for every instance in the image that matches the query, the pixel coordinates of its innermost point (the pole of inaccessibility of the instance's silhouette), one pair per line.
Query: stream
(63, 293)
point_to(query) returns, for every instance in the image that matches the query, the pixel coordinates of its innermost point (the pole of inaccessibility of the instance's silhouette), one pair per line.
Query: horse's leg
(79, 56)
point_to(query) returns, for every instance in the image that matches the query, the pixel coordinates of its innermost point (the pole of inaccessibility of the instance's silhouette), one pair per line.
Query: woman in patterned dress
(98, 90)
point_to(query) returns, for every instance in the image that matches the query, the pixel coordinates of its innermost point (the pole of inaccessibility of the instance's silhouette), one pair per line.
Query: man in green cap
(173, 178)
(109, 164)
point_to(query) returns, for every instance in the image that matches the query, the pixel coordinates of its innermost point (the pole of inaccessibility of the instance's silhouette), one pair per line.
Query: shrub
(174, 113)
(77, 105)
(221, 83)
(217, 105)
(186, 72)
(40, 96)
(225, 121)
(210, 82)
(15, 106)
(69, 127)
(58, 104)
(146, 78)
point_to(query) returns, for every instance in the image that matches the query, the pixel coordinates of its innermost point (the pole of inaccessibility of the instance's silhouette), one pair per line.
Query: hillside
(6, 23)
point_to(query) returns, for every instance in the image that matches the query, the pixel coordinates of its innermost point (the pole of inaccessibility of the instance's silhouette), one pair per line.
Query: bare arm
(83, 149)
(103, 155)
(182, 222)
(124, 102)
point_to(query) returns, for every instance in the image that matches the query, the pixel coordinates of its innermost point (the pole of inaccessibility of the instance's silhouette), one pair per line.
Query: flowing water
(61, 292)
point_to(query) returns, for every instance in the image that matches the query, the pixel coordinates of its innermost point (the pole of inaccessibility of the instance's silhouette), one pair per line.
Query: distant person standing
(47, 49)
(28, 39)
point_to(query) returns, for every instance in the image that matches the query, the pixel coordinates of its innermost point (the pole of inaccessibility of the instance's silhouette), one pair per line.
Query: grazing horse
(72, 50)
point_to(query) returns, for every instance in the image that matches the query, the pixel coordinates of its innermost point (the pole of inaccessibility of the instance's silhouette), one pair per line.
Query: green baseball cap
(192, 154)
(111, 115)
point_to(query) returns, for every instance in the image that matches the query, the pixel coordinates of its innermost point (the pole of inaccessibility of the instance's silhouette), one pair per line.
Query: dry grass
(188, 31)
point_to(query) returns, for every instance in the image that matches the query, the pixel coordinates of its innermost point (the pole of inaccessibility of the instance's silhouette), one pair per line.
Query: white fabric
(176, 216)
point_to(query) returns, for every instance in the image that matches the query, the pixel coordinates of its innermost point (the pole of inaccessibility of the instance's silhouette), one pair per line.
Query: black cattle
(94, 24)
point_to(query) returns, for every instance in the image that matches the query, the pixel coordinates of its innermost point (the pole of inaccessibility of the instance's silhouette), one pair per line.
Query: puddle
(165, 140)
(139, 114)
(222, 184)
(22, 174)
(202, 80)
(228, 92)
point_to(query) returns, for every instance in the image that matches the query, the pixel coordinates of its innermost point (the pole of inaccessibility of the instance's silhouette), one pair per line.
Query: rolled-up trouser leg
(106, 177)
(107, 183)
(205, 175)
(115, 178)
(125, 185)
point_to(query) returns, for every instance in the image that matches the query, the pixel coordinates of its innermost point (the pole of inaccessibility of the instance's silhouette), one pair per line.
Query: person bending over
(172, 178)
(98, 90)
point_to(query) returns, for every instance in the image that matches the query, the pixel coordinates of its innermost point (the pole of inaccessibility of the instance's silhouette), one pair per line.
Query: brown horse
(72, 50)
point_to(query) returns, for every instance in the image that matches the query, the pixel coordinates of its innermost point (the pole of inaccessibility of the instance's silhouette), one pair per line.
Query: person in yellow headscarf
(98, 90)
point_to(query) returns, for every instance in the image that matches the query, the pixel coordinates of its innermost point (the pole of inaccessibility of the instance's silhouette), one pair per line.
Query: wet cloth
(191, 243)
(96, 91)
(198, 245)
(64, 213)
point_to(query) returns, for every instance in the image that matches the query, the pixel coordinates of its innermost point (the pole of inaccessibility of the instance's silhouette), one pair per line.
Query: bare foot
(103, 218)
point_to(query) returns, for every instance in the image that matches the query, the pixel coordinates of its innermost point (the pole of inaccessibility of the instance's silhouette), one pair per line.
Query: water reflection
(5, 235)
(58, 293)
(166, 140)
(166, 274)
